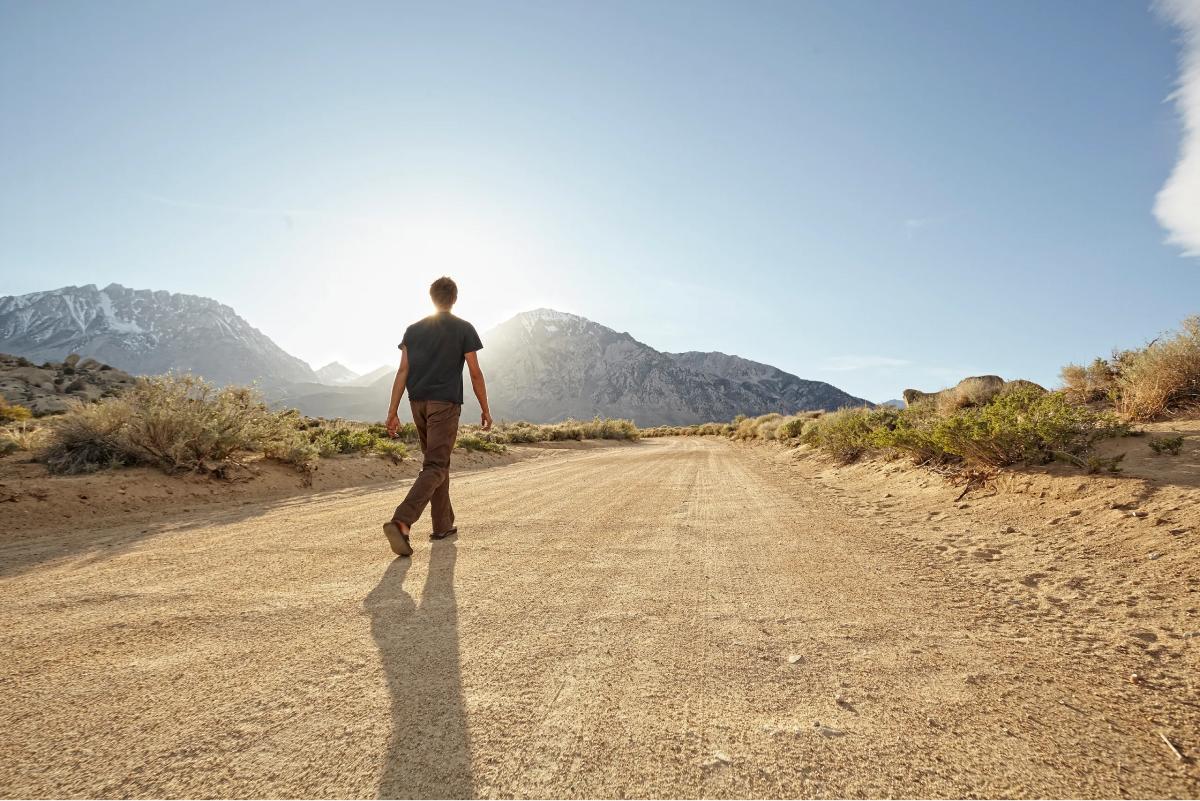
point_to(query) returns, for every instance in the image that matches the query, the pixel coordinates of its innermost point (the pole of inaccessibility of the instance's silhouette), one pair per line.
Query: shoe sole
(397, 540)
(443, 535)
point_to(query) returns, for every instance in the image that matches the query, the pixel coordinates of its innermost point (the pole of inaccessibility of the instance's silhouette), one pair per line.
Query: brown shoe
(397, 539)
(436, 536)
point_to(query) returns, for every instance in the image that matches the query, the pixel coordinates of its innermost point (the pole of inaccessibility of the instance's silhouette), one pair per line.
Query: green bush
(331, 438)
(1021, 424)
(1166, 445)
(393, 448)
(471, 442)
(1024, 426)
(844, 434)
(911, 432)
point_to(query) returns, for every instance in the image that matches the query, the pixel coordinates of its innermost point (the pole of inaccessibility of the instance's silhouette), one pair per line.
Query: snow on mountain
(336, 373)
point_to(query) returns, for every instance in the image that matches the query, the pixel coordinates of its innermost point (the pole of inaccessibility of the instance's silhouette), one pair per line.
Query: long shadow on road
(428, 754)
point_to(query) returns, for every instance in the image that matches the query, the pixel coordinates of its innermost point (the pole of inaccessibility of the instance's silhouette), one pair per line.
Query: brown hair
(444, 292)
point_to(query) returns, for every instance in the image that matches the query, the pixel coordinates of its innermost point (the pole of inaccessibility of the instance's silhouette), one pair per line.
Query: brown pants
(437, 427)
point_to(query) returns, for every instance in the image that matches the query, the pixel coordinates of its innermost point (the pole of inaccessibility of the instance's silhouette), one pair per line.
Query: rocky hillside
(145, 332)
(48, 388)
(546, 365)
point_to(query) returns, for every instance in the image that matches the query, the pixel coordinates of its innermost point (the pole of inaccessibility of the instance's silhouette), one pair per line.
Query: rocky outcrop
(49, 387)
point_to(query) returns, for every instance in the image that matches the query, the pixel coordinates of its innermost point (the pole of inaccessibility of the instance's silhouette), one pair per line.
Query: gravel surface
(680, 617)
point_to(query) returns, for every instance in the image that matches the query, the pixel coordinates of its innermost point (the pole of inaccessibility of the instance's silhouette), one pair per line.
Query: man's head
(444, 293)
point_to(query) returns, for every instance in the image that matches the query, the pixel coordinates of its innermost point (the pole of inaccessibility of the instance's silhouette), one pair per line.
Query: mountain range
(145, 332)
(541, 365)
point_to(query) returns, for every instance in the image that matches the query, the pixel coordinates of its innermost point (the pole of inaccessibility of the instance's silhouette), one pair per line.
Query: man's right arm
(480, 387)
(393, 417)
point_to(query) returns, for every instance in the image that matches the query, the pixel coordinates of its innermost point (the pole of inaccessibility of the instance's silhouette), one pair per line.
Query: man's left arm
(480, 387)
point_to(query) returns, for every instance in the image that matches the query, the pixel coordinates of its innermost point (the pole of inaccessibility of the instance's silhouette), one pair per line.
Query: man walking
(432, 354)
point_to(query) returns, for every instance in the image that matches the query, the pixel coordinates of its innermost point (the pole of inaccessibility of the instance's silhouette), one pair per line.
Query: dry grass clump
(1163, 376)
(694, 430)
(22, 436)
(1143, 383)
(12, 413)
(175, 423)
(761, 427)
(1095, 382)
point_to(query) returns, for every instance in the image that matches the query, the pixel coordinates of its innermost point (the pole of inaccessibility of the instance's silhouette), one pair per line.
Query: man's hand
(485, 421)
(393, 423)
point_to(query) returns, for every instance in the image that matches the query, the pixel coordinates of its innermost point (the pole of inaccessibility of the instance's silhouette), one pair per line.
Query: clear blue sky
(877, 194)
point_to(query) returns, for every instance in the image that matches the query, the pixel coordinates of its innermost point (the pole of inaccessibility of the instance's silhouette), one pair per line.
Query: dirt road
(670, 618)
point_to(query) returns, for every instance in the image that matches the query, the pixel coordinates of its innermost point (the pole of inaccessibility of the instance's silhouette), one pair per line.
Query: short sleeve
(471, 341)
(404, 339)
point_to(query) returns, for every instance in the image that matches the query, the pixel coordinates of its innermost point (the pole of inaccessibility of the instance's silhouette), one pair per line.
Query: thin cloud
(1177, 205)
(912, 225)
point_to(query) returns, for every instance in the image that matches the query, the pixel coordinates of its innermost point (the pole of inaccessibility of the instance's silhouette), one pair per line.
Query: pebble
(1154, 555)
(827, 731)
(795, 659)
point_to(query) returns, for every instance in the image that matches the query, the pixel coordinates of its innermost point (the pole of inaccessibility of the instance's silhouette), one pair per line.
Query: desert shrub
(845, 434)
(1020, 424)
(184, 423)
(88, 438)
(753, 427)
(911, 432)
(1162, 376)
(393, 448)
(522, 432)
(473, 442)
(331, 438)
(1088, 384)
(790, 429)
(176, 423)
(11, 413)
(1094, 463)
(292, 449)
(22, 436)
(605, 428)
(1166, 445)
(1024, 426)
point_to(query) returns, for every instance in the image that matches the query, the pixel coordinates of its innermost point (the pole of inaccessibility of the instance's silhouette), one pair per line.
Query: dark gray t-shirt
(436, 348)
